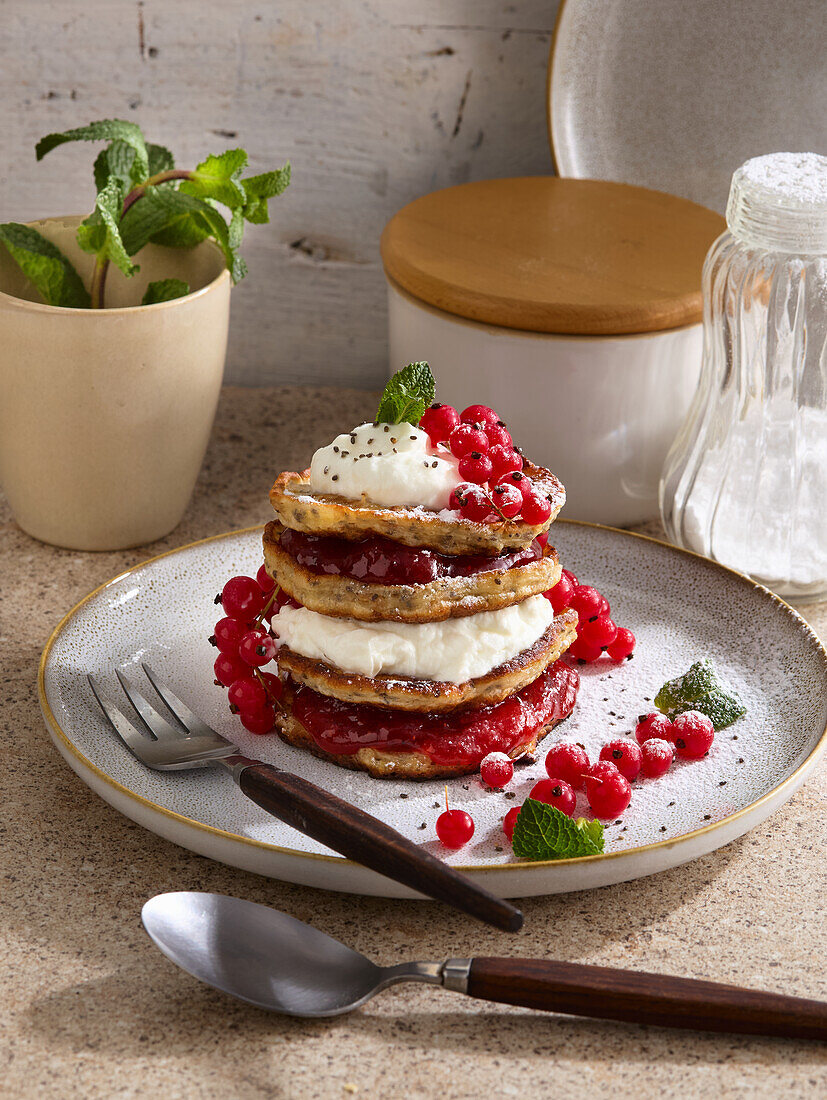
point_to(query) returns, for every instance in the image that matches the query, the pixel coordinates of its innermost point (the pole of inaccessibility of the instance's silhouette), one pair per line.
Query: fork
(317, 813)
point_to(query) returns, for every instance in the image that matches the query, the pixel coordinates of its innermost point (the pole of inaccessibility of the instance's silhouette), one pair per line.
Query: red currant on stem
(228, 633)
(693, 734)
(536, 507)
(479, 414)
(653, 725)
(507, 500)
(555, 792)
(625, 755)
(496, 770)
(511, 820)
(247, 695)
(475, 467)
(467, 438)
(241, 598)
(259, 721)
(439, 421)
(599, 632)
(504, 460)
(471, 501)
(264, 580)
(586, 601)
(271, 684)
(656, 756)
(567, 761)
(623, 646)
(229, 667)
(498, 434)
(257, 648)
(571, 577)
(560, 596)
(584, 652)
(454, 827)
(607, 790)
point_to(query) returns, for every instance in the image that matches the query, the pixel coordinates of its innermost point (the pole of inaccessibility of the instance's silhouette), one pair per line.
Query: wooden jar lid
(554, 255)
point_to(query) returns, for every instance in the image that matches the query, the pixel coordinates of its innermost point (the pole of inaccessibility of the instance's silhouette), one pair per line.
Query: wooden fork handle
(359, 836)
(642, 998)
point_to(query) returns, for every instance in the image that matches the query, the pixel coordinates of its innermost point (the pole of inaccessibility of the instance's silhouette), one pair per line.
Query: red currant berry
(439, 421)
(653, 725)
(496, 770)
(228, 668)
(507, 499)
(466, 438)
(257, 648)
(479, 414)
(536, 508)
(475, 467)
(569, 762)
(584, 652)
(607, 790)
(273, 686)
(656, 756)
(623, 646)
(242, 598)
(555, 792)
(228, 633)
(504, 460)
(602, 632)
(605, 609)
(625, 755)
(518, 478)
(258, 721)
(511, 821)
(560, 595)
(693, 734)
(264, 580)
(498, 434)
(247, 694)
(454, 828)
(586, 602)
(572, 579)
(474, 502)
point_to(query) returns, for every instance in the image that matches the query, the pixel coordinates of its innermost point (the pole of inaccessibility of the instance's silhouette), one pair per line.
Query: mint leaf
(45, 266)
(699, 688)
(160, 159)
(215, 178)
(110, 129)
(100, 233)
(258, 189)
(544, 832)
(407, 395)
(116, 160)
(164, 290)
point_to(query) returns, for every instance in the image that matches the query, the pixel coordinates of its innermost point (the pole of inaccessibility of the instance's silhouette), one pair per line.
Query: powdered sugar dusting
(789, 177)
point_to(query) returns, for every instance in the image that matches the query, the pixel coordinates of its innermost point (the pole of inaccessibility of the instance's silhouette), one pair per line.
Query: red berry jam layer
(383, 561)
(457, 739)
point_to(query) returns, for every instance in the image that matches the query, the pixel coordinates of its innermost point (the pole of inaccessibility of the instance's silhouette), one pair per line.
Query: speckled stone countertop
(89, 1008)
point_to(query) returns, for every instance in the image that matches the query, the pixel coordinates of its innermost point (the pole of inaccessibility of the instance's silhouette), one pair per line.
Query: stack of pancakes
(393, 725)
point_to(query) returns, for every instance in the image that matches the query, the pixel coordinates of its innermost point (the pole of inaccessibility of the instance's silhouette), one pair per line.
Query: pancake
(444, 598)
(434, 696)
(299, 508)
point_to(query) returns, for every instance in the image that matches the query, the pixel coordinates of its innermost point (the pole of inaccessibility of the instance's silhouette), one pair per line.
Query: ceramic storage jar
(573, 308)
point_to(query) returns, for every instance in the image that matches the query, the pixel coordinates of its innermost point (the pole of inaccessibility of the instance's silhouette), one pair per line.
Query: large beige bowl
(105, 414)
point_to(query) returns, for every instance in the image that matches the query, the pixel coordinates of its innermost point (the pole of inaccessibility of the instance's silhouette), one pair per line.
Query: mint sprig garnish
(164, 290)
(407, 395)
(141, 198)
(544, 832)
(699, 688)
(45, 266)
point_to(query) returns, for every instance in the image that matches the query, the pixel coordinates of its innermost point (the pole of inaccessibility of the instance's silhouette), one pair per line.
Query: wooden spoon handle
(605, 993)
(357, 835)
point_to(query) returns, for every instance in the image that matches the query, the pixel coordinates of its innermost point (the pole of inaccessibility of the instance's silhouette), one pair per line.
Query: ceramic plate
(676, 95)
(681, 607)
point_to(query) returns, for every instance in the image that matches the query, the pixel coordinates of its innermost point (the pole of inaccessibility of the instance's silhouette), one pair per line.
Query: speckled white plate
(676, 95)
(680, 606)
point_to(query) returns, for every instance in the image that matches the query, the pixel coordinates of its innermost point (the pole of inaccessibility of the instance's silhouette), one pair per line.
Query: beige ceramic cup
(105, 414)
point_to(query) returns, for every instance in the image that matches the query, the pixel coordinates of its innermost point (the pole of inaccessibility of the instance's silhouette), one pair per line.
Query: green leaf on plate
(544, 832)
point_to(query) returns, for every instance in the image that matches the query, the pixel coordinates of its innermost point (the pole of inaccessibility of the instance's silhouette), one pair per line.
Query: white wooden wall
(373, 101)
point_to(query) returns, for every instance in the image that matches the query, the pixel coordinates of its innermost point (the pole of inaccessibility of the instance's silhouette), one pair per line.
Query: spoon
(274, 961)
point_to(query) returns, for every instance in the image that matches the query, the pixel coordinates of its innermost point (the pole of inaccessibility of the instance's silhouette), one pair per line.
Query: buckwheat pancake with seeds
(335, 577)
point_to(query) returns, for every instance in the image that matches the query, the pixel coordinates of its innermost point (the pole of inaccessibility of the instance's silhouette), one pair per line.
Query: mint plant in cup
(113, 333)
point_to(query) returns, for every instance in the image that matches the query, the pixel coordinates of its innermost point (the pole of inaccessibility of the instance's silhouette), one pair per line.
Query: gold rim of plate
(519, 865)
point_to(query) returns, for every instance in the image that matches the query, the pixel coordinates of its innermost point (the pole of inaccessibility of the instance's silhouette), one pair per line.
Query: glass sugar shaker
(745, 482)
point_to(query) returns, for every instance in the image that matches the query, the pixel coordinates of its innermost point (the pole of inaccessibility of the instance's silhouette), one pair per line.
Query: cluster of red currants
(245, 644)
(495, 486)
(596, 632)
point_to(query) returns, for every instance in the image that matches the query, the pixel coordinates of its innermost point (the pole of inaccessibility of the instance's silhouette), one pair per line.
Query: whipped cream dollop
(395, 465)
(455, 651)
